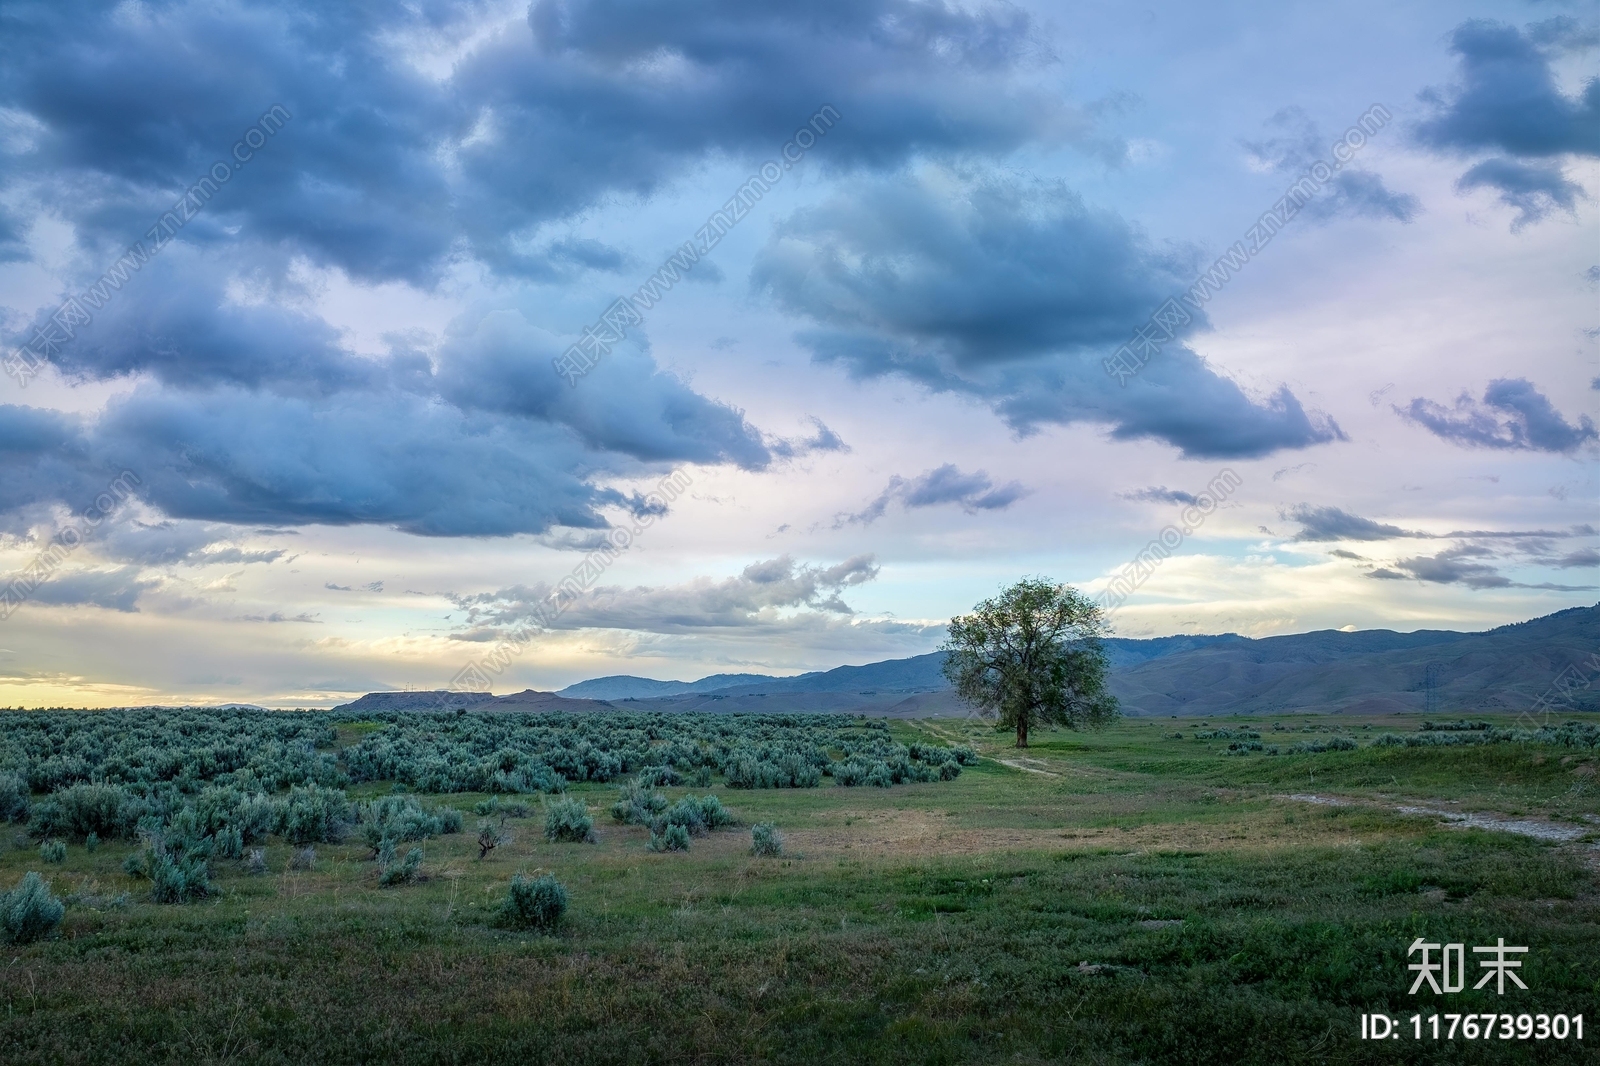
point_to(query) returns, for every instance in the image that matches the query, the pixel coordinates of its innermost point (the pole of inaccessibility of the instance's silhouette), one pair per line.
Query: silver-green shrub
(229, 843)
(670, 838)
(534, 903)
(175, 876)
(568, 819)
(13, 798)
(403, 872)
(765, 840)
(638, 805)
(30, 911)
(695, 815)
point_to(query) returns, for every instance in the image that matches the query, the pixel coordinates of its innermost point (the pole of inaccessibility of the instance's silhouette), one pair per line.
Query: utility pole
(1430, 687)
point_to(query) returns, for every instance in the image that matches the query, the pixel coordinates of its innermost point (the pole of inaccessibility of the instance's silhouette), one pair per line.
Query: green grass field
(1114, 897)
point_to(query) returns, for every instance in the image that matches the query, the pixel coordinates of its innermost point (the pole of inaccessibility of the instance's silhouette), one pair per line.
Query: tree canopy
(1033, 655)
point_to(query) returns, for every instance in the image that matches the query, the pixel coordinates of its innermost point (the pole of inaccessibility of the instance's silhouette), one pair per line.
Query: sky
(376, 346)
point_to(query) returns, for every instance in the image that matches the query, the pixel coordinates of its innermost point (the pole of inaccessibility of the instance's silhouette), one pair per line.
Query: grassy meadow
(1124, 896)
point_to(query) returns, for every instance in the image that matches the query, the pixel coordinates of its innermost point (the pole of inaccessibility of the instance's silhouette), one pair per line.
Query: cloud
(390, 459)
(115, 589)
(945, 484)
(1507, 103)
(1013, 292)
(1513, 414)
(1534, 189)
(501, 364)
(823, 440)
(1453, 567)
(1581, 557)
(1507, 99)
(387, 170)
(1295, 469)
(13, 237)
(759, 596)
(1297, 143)
(1333, 523)
(390, 164)
(481, 437)
(1161, 494)
(1340, 553)
(1457, 565)
(186, 543)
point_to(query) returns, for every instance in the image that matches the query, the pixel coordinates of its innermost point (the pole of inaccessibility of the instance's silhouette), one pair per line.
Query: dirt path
(1019, 763)
(1537, 828)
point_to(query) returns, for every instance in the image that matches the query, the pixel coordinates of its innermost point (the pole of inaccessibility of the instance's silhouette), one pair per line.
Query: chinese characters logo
(1449, 974)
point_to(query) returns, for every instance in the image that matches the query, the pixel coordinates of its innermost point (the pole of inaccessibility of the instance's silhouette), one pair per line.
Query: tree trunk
(1022, 730)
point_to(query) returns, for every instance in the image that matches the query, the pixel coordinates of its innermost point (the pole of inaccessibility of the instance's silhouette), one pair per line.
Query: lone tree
(1032, 654)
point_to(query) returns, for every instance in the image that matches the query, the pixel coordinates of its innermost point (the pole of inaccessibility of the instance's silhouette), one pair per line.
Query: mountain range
(1367, 671)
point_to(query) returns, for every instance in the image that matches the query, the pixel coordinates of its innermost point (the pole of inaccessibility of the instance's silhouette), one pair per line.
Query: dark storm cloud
(1014, 293)
(1513, 414)
(252, 408)
(13, 233)
(385, 171)
(1295, 143)
(175, 321)
(404, 431)
(1507, 102)
(1534, 189)
(1507, 99)
(943, 485)
(501, 364)
(385, 458)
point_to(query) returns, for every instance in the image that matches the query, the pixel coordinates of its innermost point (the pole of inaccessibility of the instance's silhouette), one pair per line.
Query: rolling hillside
(1369, 671)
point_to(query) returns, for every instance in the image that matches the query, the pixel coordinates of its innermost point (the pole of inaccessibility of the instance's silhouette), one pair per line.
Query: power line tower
(1430, 687)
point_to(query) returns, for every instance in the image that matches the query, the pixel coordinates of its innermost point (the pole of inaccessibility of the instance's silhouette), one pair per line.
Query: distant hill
(917, 674)
(444, 700)
(920, 673)
(1125, 652)
(436, 700)
(534, 700)
(1369, 671)
(626, 686)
